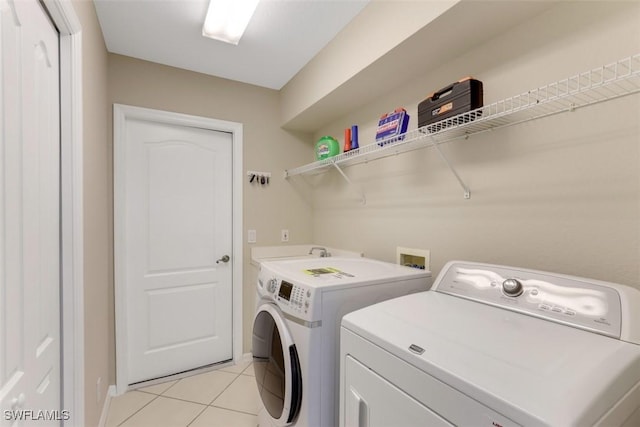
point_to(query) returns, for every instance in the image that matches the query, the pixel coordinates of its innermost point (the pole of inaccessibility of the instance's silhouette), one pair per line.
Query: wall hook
(261, 178)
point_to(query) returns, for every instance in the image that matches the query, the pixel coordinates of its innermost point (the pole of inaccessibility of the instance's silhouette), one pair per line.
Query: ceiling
(281, 38)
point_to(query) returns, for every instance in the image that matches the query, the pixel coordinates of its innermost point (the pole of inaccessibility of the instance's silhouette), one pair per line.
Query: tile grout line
(200, 403)
(147, 392)
(157, 394)
(229, 409)
(185, 400)
(197, 416)
(232, 410)
(205, 405)
(140, 409)
(191, 401)
(155, 398)
(225, 389)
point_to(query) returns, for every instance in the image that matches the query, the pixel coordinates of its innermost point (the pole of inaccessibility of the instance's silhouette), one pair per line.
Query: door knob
(225, 258)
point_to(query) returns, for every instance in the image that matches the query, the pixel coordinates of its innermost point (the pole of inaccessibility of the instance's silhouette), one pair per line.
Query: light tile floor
(227, 397)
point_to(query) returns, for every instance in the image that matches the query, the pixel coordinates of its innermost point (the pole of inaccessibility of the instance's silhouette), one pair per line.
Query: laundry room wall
(98, 265)
(267, 148)
(560, 193)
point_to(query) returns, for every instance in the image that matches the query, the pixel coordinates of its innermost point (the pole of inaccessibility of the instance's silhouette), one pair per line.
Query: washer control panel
(292, 298)
(292, 295)
(589, 305)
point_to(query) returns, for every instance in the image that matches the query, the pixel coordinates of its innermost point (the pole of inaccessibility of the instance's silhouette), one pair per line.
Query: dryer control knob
(272, 284)
(512, 287)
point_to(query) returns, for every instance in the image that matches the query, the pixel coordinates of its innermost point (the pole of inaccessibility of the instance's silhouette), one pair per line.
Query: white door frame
(120, 115)
(72, 300)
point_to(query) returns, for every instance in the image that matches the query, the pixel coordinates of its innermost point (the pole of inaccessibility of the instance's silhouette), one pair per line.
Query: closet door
(29, 216)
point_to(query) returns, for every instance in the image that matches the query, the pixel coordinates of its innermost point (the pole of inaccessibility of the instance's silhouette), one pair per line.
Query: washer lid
(531, 370)
(339, 271)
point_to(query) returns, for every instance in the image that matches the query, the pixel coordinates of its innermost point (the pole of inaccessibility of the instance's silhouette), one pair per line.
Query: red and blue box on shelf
(392, 127)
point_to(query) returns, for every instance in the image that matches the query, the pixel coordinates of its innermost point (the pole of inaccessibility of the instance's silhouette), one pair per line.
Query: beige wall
(559, 194)
(98, 263)
(267, 148)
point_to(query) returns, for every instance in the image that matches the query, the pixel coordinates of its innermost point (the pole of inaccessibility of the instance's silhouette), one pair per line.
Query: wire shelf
(608, 82)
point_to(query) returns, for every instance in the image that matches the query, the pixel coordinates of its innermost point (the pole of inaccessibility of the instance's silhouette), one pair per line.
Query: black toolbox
(457, 98)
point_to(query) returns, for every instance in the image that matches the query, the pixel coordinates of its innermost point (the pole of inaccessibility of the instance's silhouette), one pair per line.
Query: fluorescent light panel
(227, 19)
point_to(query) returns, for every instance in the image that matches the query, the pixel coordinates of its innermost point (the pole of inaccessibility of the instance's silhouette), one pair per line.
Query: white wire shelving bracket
(363, 198)
(467, 192)
(598, 85)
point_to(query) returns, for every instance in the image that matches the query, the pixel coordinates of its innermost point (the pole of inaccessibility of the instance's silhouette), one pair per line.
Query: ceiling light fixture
(227, 19)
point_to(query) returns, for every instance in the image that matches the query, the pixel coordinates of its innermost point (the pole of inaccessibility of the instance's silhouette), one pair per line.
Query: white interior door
(29, 216)
(177, 235)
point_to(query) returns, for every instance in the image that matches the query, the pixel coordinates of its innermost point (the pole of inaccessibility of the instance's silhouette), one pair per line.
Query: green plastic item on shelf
(326, 147)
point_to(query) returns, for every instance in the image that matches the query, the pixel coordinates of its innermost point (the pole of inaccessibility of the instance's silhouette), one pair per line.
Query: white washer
(495, 346)
(297, 325)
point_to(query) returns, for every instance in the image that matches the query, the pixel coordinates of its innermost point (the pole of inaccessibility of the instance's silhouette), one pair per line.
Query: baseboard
(247, 357)
(111, 392)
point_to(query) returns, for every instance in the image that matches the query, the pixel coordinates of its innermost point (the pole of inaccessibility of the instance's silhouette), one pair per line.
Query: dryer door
(276, 365)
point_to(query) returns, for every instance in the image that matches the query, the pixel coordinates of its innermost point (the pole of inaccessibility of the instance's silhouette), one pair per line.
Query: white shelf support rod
(346, 178)
(436, 145)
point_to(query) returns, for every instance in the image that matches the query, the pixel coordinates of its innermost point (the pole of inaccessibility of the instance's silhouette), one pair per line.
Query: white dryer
(495, 346)
(297, 326)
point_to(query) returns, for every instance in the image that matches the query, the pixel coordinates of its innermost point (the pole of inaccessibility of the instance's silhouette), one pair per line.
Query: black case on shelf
(457, 98)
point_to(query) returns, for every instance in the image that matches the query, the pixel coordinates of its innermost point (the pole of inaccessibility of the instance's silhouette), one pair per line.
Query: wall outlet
(284, 235)
(252, 236)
